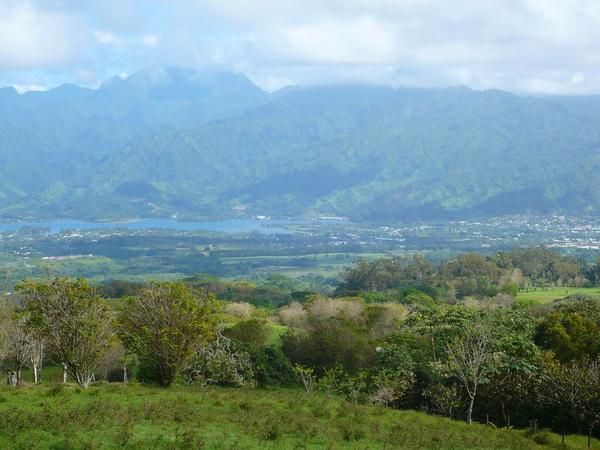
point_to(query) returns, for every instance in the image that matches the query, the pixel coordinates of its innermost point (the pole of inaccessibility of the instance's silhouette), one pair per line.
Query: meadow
(114, 416)
(548, 295)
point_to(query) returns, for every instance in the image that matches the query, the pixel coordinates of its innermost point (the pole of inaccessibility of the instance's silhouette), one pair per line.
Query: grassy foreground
(555, 293)
(114, 416)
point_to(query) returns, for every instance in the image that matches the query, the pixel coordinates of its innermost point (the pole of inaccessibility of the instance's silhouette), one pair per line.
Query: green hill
(113, 416)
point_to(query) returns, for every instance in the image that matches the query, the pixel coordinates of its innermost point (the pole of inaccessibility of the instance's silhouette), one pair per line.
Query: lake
(224, 226)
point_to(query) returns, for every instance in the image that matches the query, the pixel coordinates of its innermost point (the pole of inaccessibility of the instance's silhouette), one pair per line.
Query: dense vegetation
(449, 339)
(168, 141)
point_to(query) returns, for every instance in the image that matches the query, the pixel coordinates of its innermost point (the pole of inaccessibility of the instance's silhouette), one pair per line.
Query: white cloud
(150, 40)
(507, 44)
(34, 37)
(28, 87)
(105, 37)
(360, 40)
(521, 45)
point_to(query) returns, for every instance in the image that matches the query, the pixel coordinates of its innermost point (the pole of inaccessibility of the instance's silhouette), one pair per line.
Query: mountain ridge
(212, 144)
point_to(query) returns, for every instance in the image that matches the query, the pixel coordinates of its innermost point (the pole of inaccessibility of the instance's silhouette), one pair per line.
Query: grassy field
(185, 417)
(551, 294)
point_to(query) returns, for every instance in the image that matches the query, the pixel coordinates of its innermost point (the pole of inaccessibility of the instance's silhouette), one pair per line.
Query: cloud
(150, 40)
(36, 37)
(532, 46)
(28, 88)
(105, 37)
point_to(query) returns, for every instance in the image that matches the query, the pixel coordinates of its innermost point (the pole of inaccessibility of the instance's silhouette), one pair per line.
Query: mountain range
(170, 141)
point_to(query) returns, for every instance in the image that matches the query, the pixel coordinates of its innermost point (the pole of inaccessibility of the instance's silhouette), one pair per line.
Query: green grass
(50, 374)
(551, 294)
(276, 332)
(188, 417)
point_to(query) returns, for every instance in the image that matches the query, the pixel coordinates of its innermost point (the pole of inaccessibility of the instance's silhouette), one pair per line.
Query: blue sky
(528, 46)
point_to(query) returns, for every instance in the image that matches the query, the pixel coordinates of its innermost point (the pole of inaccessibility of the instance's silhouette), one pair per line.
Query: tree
(328, 343)
(19, 349)
(165, 326)
(221, 362)
(5, 319)
(470, 361)
(573, 389)
(252, 331)
(75, 322)
(307, 377)
(570, 335)
(36, 357)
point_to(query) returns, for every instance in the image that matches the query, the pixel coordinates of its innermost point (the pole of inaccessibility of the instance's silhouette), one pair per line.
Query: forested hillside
(174, 141)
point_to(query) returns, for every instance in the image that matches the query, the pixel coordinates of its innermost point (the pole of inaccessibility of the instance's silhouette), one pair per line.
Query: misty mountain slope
(52, 142)
(174, 141)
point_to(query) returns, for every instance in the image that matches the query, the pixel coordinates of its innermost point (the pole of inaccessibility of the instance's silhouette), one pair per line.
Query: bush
(328, 343)
(270, 366)
(253, 331)
(222, 363)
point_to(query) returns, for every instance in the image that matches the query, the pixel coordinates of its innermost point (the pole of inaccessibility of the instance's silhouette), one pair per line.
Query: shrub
(221, 362)
(293, 315)
(253, 331)
(328, 343)
(243, 310)
(270, 366)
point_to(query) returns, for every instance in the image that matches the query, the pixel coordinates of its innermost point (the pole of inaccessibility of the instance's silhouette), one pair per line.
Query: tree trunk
(36, 375)
(125, 378)
(470, 410)
(64, 374)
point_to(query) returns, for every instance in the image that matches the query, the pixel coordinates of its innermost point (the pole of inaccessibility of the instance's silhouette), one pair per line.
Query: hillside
(174, 141)
(113, 416)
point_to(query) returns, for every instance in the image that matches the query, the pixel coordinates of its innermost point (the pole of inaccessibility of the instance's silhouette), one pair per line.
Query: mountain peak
(8, 91)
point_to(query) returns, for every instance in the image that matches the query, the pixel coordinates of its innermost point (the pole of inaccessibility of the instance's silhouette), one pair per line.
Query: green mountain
(206, 144)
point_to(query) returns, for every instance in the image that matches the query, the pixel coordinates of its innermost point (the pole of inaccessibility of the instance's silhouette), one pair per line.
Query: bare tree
(470, 361)
(19, 349)
(307, 378)
(4, 329)
(18, 344)
(36, 358)
(75, 322)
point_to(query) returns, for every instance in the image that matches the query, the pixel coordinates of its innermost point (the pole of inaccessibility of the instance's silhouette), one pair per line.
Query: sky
(535, 47)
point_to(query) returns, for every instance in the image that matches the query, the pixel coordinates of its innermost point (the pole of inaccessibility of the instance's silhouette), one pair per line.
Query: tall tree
(470, 361)
(19, 349)
(75, 322)
(164, 326)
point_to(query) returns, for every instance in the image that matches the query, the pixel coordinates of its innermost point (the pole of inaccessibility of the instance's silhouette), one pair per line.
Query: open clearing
(111, 416)
(551, 294)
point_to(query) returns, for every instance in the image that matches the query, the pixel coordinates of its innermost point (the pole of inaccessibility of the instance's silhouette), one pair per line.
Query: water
(224, 226)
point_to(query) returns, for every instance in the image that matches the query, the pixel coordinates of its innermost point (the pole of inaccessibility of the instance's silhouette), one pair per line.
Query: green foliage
(164, 326)
(252, 331)
(328, 343)
(572, 392)
(73, 322)
(270, 366)
(569, 335)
